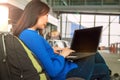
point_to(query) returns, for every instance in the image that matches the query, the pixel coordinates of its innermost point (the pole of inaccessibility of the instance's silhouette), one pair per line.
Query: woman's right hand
(66, 51)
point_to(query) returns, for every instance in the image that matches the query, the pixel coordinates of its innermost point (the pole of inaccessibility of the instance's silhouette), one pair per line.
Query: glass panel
(103, 21)
(77, 2)
(87, 20)
(84, 2)
(111, 2)
(93, 2)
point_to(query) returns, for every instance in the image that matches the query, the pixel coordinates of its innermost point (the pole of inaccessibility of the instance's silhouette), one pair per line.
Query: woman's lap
(90, 67)
(84, 70)
(99, 58)
(101, 71)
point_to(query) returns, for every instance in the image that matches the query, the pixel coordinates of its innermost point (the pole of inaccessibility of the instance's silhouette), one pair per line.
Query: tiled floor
(113, 60)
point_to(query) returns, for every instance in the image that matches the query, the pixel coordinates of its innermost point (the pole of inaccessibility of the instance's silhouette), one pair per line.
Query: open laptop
(85, 42)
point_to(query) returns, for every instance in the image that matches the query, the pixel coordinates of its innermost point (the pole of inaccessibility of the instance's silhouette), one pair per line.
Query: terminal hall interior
(68, 15)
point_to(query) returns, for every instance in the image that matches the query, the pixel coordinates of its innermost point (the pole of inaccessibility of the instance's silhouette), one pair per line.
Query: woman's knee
(101, 68)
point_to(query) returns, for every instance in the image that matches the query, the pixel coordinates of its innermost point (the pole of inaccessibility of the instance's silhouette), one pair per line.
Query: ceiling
(63, 6)
(86, 6)
(77, 6)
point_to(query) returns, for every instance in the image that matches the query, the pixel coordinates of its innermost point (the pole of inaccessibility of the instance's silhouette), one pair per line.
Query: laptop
(85, 42)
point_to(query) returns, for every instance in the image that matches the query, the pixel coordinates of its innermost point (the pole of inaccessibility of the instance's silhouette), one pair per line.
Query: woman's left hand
(57, 50)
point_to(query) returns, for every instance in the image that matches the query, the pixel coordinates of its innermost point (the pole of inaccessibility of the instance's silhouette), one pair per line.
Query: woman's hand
(63, 51)
(57, 50)
(66, 51)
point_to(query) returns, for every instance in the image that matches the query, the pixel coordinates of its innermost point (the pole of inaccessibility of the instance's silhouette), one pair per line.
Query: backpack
(17, 62)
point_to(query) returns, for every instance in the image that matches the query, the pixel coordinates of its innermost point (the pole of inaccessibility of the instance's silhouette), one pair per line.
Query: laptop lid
(86, 40)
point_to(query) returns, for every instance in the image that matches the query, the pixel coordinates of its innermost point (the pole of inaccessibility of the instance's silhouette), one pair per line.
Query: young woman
(34, 19)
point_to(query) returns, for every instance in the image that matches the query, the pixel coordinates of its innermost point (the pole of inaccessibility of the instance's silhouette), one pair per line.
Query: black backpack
(17, 62)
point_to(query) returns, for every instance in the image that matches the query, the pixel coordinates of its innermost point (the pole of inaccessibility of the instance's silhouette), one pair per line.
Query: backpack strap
(5, 54)
(35, 63)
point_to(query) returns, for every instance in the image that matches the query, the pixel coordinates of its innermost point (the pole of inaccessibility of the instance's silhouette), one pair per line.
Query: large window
(111, 26)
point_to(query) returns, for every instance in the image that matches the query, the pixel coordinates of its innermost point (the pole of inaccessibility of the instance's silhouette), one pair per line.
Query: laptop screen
(86, 40)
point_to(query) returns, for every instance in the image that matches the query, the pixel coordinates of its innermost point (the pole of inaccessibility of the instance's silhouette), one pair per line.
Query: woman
(34, 19)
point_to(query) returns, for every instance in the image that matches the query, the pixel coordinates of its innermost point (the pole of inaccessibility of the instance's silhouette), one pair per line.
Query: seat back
(17, 62)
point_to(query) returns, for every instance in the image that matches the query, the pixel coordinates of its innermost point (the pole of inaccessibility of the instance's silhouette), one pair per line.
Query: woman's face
(42, 21)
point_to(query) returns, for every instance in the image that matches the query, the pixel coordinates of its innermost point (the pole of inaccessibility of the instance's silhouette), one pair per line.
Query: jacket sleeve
(51, 62)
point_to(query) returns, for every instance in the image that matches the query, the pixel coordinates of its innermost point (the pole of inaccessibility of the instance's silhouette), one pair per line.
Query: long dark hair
(30, 15)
